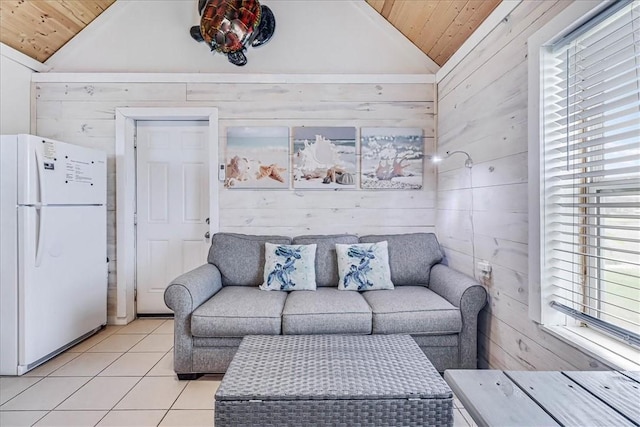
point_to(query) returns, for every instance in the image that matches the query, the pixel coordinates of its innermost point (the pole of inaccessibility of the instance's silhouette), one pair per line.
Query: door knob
(207, 220)
(207, 235)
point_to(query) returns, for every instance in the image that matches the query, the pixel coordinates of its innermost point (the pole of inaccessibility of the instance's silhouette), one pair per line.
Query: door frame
(126, 119)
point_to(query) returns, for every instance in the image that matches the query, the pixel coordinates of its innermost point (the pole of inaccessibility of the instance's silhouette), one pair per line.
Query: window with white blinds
(590, 226)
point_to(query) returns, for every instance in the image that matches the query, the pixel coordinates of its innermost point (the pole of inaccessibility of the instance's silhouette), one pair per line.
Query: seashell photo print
(257, 157)
(324, 158)
(392, 158)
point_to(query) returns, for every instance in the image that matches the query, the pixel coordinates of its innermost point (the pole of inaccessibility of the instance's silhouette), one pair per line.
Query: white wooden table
(529, 398)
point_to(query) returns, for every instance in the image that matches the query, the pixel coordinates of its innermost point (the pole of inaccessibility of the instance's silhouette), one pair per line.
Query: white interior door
(172, 206)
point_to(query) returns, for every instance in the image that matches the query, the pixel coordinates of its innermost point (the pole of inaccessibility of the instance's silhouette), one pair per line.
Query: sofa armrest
(459, 289)
(189, 290)
(183, 295)
(469, 296)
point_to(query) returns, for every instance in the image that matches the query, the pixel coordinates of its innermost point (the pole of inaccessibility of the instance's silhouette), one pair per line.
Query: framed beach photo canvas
(391, 158)
(324, 158)
(257, 157)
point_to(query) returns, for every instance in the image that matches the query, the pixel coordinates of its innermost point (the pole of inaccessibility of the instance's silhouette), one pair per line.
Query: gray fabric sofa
(218, 303)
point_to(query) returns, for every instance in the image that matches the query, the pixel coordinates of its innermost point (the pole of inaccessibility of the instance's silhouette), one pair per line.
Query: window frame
(597, 344)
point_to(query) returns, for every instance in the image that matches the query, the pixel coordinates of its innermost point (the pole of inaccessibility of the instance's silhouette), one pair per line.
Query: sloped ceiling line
(437, 27)
(39, 28)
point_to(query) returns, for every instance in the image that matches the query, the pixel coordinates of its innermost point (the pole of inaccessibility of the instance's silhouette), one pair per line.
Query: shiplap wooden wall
(84, 113)
(482, 213)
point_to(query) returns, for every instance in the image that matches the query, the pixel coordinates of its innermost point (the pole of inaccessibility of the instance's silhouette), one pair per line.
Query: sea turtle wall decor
(229, 26)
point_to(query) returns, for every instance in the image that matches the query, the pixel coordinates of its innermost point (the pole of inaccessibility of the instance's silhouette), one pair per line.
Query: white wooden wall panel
(112, 92)
(459, 260)
(482, 109)
(506, 253)
(490, 142)
(497, 358)
(453, 179)
(501, 170)
(300, 92)
(507, 198)
(508, 106)
(308, 200)
(512, 31)
(15, 86)
(514, 313)
(523, 348)
(502, 225)
(84, 113)
(455, 230)
(458, 199)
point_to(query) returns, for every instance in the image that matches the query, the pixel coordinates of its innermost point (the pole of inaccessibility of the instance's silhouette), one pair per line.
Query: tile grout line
(138, 382)
(97, 374)
(144, 376)
(4, 410)
(164, 354)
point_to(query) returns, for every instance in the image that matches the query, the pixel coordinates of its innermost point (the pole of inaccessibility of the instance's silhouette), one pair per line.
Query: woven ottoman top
(302, 367)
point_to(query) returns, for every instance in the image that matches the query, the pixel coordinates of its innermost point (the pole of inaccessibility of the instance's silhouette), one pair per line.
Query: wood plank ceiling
(437, 27)
(38, 28)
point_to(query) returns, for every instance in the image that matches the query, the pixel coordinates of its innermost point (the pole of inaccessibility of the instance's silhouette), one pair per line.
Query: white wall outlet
(485, 268)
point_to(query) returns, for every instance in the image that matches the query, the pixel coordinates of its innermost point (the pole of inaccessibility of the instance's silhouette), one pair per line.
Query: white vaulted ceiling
(39, 28)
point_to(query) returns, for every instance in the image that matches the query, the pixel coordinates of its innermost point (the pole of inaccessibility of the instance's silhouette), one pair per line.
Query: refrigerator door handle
(39, 235)
(40, 173)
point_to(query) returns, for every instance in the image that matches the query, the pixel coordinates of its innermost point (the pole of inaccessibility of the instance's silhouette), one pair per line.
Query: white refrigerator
(53, 248)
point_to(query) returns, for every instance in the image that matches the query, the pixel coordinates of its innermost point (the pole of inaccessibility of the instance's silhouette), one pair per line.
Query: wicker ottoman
(332, 380)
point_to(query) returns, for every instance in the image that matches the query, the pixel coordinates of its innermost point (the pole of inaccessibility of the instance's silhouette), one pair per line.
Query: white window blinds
(591, 163)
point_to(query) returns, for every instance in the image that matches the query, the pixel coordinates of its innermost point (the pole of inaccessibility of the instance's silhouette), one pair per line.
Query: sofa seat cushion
(326, 311)
(412, 310)
(236, 311)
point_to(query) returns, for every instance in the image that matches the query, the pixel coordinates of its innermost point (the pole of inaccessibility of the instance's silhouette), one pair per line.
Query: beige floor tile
(86, 365)
(45, 395)
(153, 343)
(112, 329)
(10, 387)
(85, 345)
(71, 418)
(197, 395)
(153, 393)
(20, 418)
(165, 328)
(133, 418)
(164, 368)
(142, 326)
(53, 364)
(132, 365)
(117, 343)
(99, 393)
(184, 418)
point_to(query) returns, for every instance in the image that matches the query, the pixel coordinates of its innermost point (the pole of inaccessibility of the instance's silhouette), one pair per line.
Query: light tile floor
(122, 376)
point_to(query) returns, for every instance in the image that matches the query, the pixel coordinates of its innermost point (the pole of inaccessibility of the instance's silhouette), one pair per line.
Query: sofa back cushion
(326, 259)
(411, 256)
(240, 257)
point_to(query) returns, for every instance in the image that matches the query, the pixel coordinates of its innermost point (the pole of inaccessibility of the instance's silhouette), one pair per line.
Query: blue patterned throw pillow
(289, 267)
(364, 267)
